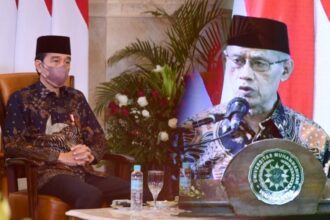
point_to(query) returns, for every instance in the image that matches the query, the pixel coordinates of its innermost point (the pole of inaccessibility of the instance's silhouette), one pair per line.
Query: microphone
(211, 118)
(237, 108)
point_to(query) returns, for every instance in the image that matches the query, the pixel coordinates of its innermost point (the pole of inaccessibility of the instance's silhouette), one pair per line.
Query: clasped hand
(79, 155)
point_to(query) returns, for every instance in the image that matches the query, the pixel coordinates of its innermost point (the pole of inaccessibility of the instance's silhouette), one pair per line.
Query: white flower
(122, 99)
(142, 101)
(135, 111)
(158, 69)
(145, 113)
(163, 136)
(172, 123)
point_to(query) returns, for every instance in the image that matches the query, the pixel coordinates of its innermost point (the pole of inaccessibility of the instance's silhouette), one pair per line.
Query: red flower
(163, 102)
(135, 132)
(140, 93)
(124, 111)
(155, 94)
(114, 108)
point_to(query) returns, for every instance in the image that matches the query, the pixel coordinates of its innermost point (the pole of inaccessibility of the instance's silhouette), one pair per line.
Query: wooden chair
(27, 203)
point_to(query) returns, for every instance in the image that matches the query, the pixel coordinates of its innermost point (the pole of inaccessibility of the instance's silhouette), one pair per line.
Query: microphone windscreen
(237, 104)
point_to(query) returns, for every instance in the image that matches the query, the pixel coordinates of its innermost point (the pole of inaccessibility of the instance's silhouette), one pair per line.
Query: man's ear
(287, 70)
(38, 65)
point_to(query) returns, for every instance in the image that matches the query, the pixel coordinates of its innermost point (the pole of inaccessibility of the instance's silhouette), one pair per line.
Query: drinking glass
(155, 183)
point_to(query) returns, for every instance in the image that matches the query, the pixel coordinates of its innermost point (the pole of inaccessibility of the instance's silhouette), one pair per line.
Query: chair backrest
(11, 82)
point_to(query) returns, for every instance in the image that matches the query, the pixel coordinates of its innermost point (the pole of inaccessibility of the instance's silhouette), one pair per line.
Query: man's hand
(79, 155)
(82, 154)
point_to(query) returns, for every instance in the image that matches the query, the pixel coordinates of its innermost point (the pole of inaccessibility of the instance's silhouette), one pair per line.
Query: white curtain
(23, 21)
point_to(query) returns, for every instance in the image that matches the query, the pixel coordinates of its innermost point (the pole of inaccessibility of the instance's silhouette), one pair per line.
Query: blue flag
(195, 98)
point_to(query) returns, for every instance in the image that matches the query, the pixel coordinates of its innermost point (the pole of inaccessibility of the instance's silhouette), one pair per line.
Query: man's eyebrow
(58, 57)
(55, 57)
(259, 57)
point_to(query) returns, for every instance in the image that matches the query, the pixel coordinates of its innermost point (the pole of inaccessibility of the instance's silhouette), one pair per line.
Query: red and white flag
(322, 60)
(33, 20)
(8, 13)
(309, 33)
(23, 21)
(70, 18)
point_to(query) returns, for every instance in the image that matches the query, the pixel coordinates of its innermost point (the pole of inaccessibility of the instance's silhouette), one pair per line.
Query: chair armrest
(29, 169)
(18, 167)
(21, 161)
(2, 173)
(2, 157)
(119, 165)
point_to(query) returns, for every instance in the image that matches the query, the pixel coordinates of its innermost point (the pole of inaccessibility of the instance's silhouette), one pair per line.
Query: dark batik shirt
(283, 123)
(39, 125)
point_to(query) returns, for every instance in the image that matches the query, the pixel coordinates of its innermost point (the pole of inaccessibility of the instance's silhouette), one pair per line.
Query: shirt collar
(46, 92)
(277, 118)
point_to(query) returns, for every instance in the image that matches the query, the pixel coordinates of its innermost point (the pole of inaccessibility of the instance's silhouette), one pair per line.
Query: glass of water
(155, 183)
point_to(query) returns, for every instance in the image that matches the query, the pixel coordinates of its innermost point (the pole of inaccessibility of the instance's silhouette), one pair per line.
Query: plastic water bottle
(185, 178)
(136, 188)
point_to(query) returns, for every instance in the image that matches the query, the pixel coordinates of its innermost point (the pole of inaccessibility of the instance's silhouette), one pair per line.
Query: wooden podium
(272, 177)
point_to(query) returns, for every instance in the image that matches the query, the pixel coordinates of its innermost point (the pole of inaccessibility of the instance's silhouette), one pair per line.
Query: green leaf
(195, 36)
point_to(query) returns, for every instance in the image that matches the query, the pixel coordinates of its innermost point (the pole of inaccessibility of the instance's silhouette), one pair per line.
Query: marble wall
(116, 23)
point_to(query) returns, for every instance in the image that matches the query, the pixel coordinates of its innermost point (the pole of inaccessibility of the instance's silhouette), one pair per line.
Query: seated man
(257, 60)
(53, 123)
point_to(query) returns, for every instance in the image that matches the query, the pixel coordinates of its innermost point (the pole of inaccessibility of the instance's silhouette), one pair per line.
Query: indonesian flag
(23, 21)
(8, 13)
(309, 33)
(70, 18)
(33, 20)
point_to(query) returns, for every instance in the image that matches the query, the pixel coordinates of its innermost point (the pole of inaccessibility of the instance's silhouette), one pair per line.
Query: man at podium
(257, 60)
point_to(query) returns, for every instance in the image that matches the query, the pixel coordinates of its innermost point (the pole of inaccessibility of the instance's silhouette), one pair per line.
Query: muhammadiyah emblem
(276, 176)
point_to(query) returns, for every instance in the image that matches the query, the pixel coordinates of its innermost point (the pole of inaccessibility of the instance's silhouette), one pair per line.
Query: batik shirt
(40, 125)
(204, 148)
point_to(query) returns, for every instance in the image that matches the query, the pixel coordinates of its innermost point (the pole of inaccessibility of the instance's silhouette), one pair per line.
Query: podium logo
(276, 176)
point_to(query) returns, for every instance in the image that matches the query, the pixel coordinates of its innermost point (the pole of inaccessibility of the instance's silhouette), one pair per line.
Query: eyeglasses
(257, 64)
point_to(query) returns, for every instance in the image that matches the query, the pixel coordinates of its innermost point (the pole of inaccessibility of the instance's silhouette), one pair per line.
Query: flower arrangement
(141, 104)
(141, 114)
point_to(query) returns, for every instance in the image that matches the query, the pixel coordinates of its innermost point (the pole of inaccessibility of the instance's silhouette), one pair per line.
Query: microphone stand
(181, 146)
(229, 132)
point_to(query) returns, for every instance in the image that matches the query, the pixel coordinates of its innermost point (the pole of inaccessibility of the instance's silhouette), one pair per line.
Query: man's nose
(65, 65)
(246, 71)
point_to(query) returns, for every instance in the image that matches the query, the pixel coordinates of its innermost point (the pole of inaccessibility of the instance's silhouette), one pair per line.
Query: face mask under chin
(56, 75)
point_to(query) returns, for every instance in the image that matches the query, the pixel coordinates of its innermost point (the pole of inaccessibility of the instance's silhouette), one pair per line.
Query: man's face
(253, 78)
(54, 69)
(57, 60)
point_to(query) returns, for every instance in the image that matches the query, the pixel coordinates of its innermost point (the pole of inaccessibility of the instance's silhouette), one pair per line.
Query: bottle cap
(185, 165)
(137, 168)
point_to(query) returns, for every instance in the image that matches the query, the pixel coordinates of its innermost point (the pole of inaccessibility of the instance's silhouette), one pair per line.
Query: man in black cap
(257, 61)
(53, 123)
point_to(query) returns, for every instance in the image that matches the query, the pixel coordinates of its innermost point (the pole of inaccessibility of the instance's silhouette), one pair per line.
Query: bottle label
(185, 182)
(136, 184)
